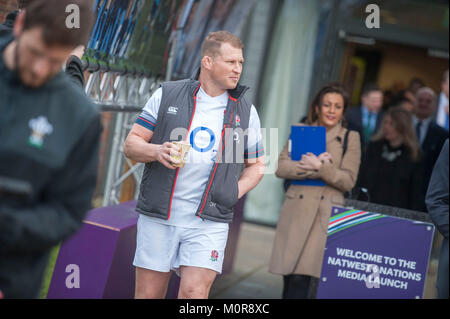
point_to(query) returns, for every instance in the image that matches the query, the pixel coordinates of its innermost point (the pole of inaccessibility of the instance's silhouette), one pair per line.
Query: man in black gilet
(185, 212)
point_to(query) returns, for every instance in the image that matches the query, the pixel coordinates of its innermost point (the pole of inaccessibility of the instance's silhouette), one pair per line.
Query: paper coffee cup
(184, 150)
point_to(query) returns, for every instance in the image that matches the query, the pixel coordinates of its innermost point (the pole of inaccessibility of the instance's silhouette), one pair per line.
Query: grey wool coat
(301, 232)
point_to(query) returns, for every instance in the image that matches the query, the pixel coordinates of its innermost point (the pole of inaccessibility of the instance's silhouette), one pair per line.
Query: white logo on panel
(172, 110)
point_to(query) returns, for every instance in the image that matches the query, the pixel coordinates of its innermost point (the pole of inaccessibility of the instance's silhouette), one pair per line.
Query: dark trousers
(299, 287)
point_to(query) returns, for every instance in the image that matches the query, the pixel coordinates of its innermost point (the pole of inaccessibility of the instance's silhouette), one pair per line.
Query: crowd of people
(50, 155)
(400, 143)
(390, 154)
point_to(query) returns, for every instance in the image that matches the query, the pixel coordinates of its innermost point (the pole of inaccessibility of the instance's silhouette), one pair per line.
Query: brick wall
(6, 6)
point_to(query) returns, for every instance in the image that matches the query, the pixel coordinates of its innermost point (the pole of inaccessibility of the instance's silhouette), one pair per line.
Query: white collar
(208, 97)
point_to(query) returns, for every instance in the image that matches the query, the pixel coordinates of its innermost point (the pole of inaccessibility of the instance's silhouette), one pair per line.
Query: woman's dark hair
(337, 88)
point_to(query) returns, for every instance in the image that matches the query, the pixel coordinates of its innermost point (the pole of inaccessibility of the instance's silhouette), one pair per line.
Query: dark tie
(368, 128)
(418, 131)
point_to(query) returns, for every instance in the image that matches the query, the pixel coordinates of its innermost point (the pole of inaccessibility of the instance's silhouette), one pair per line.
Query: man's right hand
(137, 147)
(165, 154)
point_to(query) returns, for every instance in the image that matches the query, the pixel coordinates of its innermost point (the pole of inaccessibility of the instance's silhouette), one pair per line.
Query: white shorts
(164, 248)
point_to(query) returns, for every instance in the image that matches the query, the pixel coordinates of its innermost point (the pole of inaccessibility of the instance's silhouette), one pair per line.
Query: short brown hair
(369, 88)
(337, 88)
(51, 16)
(213, 42)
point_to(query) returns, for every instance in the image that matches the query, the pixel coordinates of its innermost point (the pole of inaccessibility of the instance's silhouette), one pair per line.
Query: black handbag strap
(345, 144)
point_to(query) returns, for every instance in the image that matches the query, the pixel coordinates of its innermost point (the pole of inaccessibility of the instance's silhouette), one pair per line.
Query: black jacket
(437, 203)
(49, 140)
(396, 182)
(431, 148)
(437, 196)
(355, 122)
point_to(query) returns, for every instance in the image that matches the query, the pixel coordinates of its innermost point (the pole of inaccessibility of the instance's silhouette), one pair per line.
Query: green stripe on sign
(342, 214)
(364, 221)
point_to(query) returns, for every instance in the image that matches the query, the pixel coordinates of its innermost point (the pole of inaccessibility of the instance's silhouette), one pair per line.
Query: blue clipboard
(307, 139)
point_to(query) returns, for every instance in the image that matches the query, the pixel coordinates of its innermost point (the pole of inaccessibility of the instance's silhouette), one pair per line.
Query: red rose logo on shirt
(214, 255)
(238, 120)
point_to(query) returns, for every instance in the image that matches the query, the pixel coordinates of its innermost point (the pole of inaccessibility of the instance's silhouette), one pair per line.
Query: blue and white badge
(202, 139)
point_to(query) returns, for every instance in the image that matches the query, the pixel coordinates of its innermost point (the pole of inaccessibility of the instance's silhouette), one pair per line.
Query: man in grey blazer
(437, 203)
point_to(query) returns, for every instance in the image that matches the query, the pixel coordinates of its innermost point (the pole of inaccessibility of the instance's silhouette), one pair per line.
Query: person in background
(302, 227)
(192, 206)
(73, 66)
(431, 136)
(442, 105)
(391, 169)
(437, 204)
(49, 142)
(406, 104)
(388, 98)
(414, 85)
(410, 93)
(401, 99)
(366, 119)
